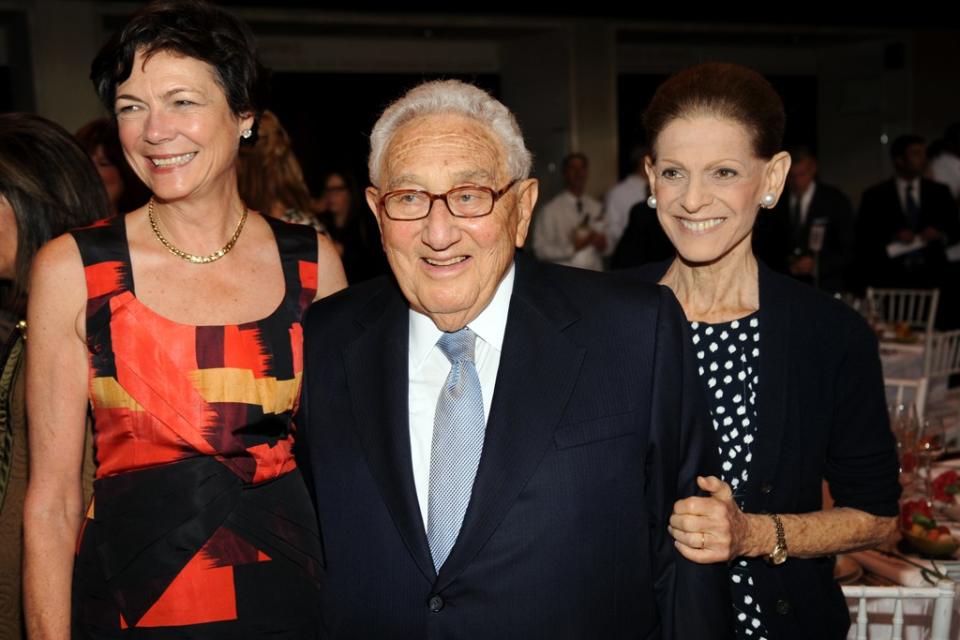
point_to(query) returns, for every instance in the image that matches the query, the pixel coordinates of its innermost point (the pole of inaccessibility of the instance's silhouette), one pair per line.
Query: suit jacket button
(783, 607)
(435, 603)
(766, 488)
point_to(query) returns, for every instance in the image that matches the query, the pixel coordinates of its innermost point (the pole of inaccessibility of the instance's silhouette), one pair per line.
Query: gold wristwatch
(779, 553)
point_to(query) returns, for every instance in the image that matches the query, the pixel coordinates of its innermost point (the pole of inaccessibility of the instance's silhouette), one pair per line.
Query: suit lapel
(376, 366)
(538, 368)
(775, 319)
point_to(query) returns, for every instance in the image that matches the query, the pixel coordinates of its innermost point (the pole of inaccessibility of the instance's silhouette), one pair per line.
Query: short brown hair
(725, 90)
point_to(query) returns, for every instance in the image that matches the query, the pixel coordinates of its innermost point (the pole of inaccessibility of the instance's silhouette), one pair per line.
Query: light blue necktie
(458, 429)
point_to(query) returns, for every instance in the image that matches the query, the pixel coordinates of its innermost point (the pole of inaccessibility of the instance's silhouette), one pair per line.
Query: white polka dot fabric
(728, 357)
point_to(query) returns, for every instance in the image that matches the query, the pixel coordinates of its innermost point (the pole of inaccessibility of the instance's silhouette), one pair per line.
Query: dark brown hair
(195, 29)
(49, 182)
(723, 90)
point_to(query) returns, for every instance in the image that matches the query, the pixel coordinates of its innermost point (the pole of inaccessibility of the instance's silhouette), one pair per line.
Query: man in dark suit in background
(495, 445)
(809, 234)
(904, 223)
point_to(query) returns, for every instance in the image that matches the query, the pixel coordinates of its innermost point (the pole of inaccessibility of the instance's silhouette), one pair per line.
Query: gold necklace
(189, 257)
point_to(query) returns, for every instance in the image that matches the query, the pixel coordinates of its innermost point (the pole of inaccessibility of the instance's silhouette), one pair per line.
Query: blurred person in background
(125, 190)
(353, 230)
(270, 177)
(570, 228)
(47, 186)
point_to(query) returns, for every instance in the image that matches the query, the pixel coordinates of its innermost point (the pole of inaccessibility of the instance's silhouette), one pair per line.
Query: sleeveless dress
(200, 525)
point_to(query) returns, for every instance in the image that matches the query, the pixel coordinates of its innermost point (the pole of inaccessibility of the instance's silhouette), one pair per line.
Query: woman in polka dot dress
(791, 377)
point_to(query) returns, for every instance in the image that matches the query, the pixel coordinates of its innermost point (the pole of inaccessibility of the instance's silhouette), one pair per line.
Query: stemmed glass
(931, 444)
(906, 428)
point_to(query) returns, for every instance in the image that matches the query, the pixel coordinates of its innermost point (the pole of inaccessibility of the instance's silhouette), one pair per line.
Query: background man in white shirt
(570, 229)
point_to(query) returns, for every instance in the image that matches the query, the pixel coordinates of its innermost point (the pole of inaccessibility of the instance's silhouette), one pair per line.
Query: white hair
(450, 96)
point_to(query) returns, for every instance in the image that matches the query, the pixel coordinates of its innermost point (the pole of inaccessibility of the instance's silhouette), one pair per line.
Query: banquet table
(880, 569)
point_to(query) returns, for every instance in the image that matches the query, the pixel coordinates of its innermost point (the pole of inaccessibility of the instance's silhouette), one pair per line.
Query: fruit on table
(921, 530)
(946, 487)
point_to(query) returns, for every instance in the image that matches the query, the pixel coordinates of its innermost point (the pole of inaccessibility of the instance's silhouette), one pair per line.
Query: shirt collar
(490, 326)
(808, 194)
(902, 185)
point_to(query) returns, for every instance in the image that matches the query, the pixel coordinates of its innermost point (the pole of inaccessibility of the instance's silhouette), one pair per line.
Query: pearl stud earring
(652, 201)
(767, 200)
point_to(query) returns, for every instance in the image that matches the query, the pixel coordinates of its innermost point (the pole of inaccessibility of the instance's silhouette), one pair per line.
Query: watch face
(779, 555)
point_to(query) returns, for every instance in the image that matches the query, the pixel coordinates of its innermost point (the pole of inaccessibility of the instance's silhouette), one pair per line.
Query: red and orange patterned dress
(201, 525)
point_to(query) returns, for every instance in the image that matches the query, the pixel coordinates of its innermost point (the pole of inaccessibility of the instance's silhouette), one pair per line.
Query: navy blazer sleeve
(693, 598)
(861, 466)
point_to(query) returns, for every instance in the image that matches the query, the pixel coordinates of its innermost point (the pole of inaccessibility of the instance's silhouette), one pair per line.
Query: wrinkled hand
(709, 529)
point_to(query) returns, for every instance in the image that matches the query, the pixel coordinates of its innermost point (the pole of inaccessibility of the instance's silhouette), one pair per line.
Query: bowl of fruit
(921, 531)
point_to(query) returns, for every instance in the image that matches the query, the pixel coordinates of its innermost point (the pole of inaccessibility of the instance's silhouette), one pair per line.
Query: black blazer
(879, 219)
(822, 415)
(775, 240)
(596, 428)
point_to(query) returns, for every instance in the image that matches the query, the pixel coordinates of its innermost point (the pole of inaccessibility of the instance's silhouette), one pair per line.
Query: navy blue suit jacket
(597, 426)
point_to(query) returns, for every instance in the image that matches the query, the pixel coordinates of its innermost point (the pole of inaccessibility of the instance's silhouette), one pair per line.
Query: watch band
(779, 553)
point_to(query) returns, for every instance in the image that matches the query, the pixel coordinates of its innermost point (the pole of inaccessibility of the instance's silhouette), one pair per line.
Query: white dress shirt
(553, 231)
(428, 368)
(804, 201)
(945, 168)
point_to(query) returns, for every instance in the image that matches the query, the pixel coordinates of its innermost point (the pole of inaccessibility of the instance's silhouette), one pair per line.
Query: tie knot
(458, 346)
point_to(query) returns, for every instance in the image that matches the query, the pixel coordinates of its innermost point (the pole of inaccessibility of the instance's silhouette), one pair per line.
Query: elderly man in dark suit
(495, 445)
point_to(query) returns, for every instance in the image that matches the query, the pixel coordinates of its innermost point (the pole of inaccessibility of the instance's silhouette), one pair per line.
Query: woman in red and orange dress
(180, 322)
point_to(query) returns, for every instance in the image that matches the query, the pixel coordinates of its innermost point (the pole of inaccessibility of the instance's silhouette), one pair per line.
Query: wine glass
(931, 444)
(906, 427)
